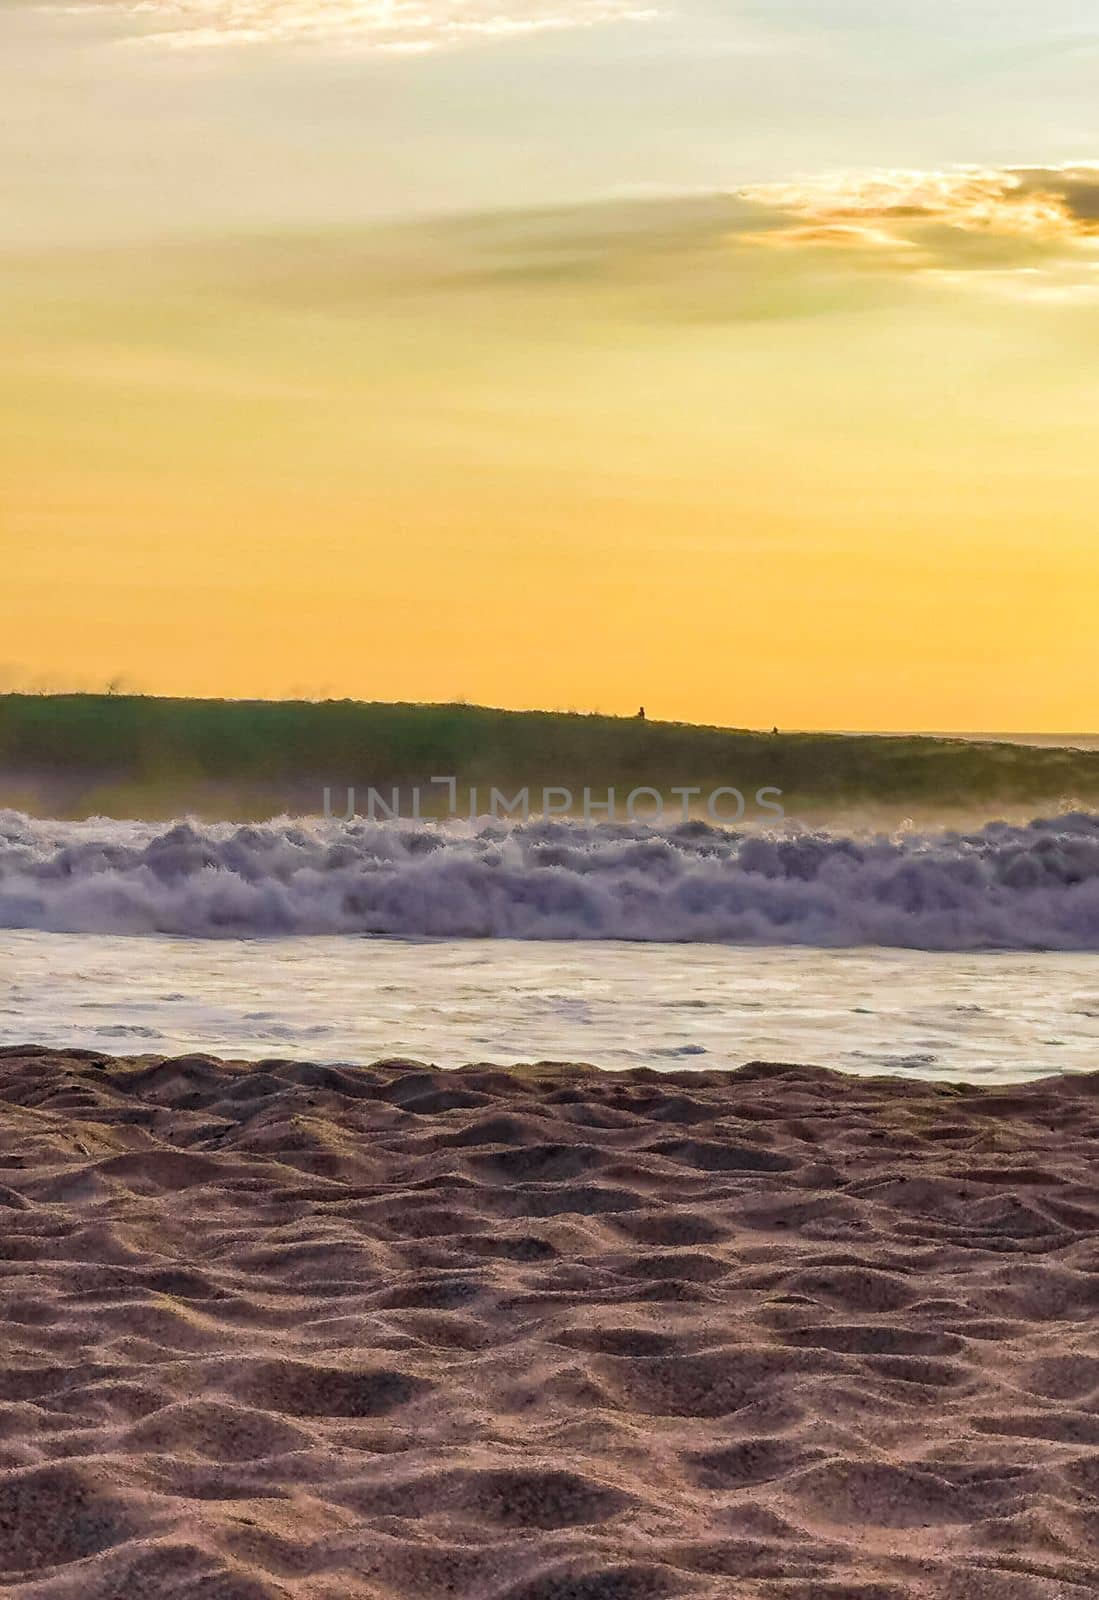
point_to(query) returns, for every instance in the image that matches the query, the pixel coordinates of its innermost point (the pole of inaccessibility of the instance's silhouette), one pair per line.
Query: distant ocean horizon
(1053, 741)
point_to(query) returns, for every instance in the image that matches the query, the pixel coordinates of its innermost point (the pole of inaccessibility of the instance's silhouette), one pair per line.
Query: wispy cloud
(764, 253)
(1059, 284)
(692, 259)
(394, 25)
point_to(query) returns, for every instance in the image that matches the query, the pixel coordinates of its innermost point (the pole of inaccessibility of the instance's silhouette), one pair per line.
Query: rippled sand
(401, 1334)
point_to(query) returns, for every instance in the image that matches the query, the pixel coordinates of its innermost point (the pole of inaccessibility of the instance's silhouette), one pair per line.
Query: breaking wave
(1002, 886)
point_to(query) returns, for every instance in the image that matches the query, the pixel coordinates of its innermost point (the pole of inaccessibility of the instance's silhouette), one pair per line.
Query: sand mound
(299, 1333)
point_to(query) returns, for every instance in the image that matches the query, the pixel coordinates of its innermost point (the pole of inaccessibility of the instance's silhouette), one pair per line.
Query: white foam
(1033, 887)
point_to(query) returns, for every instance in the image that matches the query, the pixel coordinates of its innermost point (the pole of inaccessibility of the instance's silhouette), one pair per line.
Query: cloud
(1021, 233)
(703, 259)
(843, 235)
(390, 25)
(679, 260)
(1042, 204)
(698, 259)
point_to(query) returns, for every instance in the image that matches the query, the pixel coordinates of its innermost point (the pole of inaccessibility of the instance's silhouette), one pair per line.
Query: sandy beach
(395, 1333)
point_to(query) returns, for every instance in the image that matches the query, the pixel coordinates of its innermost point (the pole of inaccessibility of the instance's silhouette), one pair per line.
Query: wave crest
(1002, 886)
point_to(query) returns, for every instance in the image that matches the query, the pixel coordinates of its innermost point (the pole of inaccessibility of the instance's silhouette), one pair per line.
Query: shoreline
(275, 1331)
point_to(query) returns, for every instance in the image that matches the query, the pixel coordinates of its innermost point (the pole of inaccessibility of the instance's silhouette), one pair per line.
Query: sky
(733, 359)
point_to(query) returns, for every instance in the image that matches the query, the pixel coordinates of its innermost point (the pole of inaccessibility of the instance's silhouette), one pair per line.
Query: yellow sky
(820, 456)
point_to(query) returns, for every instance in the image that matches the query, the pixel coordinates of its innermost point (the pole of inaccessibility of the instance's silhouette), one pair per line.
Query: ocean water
(992, 1017)
(1002, 886)
(947, 955)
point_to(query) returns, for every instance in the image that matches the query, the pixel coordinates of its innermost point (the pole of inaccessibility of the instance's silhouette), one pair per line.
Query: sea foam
(1001, 886)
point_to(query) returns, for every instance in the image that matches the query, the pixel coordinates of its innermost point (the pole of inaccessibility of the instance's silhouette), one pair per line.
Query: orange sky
(811, 451)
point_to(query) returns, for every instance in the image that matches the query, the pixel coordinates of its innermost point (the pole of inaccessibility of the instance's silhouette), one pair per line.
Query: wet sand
(544, 1334)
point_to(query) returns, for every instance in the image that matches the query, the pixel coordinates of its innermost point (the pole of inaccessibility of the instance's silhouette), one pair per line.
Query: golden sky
(815, 450)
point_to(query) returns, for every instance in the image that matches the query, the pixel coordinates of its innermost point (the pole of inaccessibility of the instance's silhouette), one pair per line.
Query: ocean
(984, 1017)
(944, 955)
